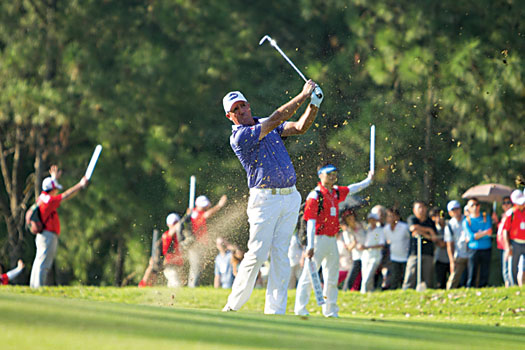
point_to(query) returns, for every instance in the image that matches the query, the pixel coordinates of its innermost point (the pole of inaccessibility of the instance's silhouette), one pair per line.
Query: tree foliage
(443, 81)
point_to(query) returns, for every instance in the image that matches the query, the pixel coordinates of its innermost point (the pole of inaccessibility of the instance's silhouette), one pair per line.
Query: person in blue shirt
(478, 229)
(273, 205)
(223, 265)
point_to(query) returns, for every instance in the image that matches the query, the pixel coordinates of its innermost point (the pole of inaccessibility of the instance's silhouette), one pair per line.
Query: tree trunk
(14, 242)
(121, 255)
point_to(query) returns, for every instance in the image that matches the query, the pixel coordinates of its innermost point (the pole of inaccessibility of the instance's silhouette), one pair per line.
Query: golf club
(274, 44)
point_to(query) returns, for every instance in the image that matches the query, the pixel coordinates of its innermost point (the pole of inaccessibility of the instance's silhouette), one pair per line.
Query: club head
(264, 38)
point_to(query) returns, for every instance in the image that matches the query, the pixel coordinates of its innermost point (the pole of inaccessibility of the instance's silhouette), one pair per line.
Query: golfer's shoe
(227, 309)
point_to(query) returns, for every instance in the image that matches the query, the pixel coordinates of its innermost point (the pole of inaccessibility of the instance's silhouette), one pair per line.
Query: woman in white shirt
(353, 234)
(371, 256)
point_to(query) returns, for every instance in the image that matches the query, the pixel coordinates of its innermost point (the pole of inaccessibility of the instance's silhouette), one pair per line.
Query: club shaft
(289, 61)
(275, 46)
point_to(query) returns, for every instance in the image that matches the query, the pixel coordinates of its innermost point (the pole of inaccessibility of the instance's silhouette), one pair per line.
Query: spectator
(223, 266)
(321, 213)
(47, 241)
(295, 254)
(506, 204)
(456, 240)
(420, 225)
(6, 277)
(478, 228)
(514, 235)
(196, 252)
(380, 211)
(173, 260)
(383, 273)
(150, 275)
(441, 261)
(371, 257)
(397, 236)
(353, 234)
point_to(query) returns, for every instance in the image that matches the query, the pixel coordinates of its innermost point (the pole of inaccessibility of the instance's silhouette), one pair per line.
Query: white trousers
(327, 256)
(195, 257)
(272, 219)
(46, 248)
(370, 261)
(172, 276)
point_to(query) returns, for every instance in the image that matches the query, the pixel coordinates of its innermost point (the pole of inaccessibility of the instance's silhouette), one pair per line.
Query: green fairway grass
(161, 318)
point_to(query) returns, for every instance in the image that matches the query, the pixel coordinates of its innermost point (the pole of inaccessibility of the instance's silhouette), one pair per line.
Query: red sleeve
(54, 202)
(311, 206)
(507, 222)
(4, 279)
(343, 193)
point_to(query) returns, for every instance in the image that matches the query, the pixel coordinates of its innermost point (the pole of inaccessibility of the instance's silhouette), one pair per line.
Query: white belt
(285, 190)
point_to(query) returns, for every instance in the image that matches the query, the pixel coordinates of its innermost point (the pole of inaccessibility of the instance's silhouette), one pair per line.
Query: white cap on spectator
(50, 184)
(231, 97)
(374, 216)
(453, 205)
(202, 201)
(172, 219)
(517, 197)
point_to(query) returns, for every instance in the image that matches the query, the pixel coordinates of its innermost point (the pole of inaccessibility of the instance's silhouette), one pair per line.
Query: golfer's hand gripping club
(317, 97)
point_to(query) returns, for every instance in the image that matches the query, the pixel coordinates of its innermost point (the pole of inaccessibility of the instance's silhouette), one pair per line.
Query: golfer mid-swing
(274, 202)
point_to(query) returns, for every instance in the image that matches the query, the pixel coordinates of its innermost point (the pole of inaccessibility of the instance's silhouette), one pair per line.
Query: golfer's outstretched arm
(287, 110)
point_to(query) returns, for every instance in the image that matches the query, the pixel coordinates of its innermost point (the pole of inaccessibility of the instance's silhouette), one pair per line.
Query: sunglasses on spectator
(506, 202)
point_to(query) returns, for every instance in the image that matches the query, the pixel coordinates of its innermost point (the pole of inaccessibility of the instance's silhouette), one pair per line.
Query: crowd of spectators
(381, 253)
(451, 250)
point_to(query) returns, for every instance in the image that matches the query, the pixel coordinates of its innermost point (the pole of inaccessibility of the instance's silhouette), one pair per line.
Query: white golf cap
(231, 98)
(202, 201)
(373, 216)
(453, 205)
(172, 219)
(517, 197)
(50, 184)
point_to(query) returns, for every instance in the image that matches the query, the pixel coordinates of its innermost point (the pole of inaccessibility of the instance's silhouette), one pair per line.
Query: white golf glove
(315, 99)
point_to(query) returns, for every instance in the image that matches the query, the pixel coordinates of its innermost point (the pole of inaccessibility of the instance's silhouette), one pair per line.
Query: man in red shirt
(46, 241)
(322, 217)
(514, 234)
(173, 261)
(202, 212)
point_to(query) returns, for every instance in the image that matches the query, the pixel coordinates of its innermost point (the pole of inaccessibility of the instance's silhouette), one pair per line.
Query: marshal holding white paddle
(93, 161)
